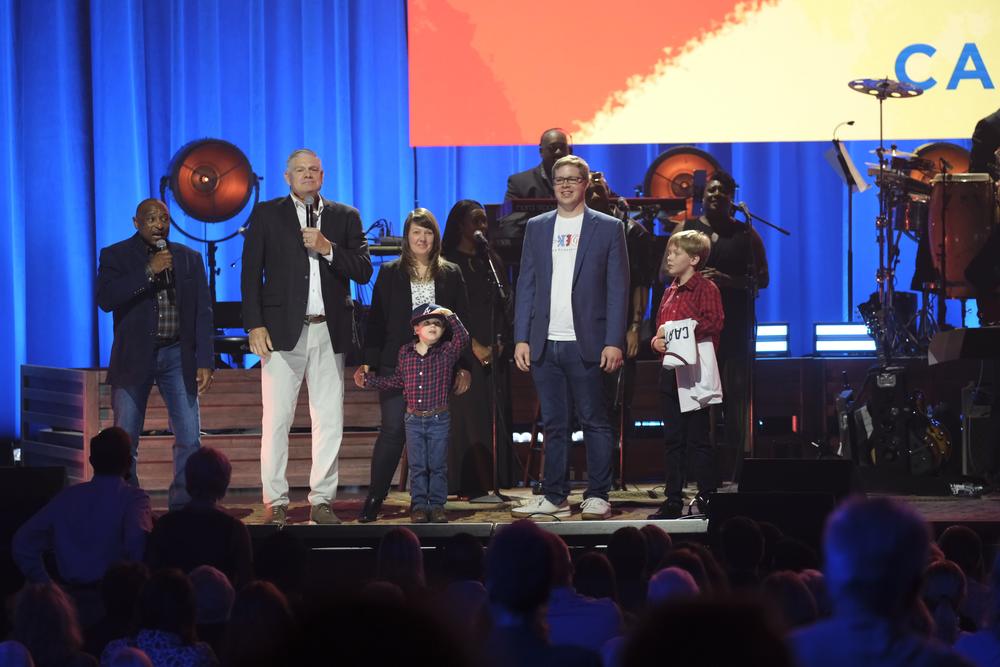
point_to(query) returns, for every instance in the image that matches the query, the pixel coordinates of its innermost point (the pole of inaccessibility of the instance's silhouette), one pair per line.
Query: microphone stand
(751, 334)
(493, 497)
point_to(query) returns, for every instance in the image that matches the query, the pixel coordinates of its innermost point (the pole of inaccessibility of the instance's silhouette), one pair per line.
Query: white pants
(280, 380)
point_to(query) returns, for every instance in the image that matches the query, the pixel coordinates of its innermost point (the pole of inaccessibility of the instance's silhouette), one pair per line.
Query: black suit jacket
(389, 325)
(124, 290)
(985, 141)
(275, 278)
(530, 184)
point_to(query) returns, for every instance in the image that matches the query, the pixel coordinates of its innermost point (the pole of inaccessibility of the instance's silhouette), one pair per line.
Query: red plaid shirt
(425, 378)
(698, 299)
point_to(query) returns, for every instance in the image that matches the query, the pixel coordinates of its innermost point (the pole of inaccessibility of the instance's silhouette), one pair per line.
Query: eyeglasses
(572, 180)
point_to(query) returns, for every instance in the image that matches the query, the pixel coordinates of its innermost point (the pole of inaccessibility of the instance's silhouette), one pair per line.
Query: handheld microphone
(310, 222)
(481, 239)
(168, 274)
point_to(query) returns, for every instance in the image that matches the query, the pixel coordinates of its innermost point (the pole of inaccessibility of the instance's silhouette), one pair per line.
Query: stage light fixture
(211, 180)
(843, 338)
(772, 339)
(680, 172)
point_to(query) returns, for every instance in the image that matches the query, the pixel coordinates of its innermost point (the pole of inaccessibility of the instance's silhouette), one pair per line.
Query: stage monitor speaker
(829, 476)
(979, 457)
(799, 515)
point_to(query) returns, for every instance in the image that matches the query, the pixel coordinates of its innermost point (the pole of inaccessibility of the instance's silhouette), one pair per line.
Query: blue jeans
(561, 376)
(129, 405)
(427, 454)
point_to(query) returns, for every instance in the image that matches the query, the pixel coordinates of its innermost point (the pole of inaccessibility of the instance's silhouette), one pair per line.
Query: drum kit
(929, 197)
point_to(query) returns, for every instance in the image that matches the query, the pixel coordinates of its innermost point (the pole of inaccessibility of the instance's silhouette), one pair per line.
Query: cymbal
(895, 153)
(885, 88)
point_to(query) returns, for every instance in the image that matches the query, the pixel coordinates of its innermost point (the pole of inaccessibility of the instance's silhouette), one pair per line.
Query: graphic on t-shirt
(565, 241)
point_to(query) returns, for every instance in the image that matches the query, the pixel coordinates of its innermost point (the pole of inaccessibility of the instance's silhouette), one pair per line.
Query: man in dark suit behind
(298, 310)
(537, 181)
(158, 293)
(985, 142)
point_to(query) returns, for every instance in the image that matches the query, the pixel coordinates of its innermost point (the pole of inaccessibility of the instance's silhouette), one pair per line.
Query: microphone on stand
(481, 239)
(310, 222)
(168, 274)
(484, 245)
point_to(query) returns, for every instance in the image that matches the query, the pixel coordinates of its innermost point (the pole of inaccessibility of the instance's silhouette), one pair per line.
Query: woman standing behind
(419, 276)
(470, 460)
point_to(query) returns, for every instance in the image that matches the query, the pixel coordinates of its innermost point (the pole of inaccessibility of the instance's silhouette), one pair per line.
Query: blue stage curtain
(96, 97)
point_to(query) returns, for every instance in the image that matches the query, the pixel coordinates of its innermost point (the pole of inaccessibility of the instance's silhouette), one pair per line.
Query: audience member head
(167, 603)
(594, 576)
(742, 545)
(120, 588)
(464, 557)
(207, 473)
(282, 559)
(718, 582)
(687, 560)
(707, 632)
(791, 598)
(943, 593)
(964, 547)
(383, 592)
(45, 622)
(562, 563)
(519, 569)
(816, 583)
(466, 217)
(111, 452)
(213, 595)
(790, 553)
(129, 656)
(261, 628)
(658, 543)
(14, 654)
(771, 534)
(670, 584)
(627, 553)
(400, 560)
(875, 551)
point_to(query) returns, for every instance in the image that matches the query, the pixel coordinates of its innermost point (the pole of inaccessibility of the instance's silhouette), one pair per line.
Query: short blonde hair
(573, 161)
(694, 243)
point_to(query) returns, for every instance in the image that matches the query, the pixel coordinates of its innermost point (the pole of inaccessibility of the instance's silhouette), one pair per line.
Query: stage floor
(629, 507)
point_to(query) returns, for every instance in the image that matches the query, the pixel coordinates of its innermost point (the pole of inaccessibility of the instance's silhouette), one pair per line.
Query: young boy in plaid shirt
(693, 296)
(425, 371)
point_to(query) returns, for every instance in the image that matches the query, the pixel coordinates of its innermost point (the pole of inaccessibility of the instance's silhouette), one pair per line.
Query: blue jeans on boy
(129, 405)
(427, 456)
(565, 381)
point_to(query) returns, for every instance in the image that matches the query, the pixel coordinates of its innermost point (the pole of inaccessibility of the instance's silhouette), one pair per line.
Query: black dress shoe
(671, 509)
(370, 510)
(702, 501)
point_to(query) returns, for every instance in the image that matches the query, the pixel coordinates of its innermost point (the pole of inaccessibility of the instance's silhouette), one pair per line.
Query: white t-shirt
(565, 242)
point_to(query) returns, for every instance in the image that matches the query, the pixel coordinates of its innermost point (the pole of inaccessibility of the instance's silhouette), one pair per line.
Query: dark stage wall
(96, 97)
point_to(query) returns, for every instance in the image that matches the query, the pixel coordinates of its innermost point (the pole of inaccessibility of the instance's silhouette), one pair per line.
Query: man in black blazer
(985, 142)
(158, 294)
(299, 256)
(536, 182)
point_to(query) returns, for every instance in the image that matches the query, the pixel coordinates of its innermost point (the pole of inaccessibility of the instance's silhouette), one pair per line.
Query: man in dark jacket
(158, 294)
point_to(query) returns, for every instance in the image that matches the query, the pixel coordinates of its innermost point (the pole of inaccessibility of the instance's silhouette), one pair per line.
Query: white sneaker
(595, 508)
(540, 508)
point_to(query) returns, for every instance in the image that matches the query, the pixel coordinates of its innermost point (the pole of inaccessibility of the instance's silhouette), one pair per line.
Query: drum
(910, 215)
(963, 209)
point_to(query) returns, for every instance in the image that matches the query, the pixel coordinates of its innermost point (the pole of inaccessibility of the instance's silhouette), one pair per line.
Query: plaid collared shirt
(698, 299)
(426, 378)
(168, 323)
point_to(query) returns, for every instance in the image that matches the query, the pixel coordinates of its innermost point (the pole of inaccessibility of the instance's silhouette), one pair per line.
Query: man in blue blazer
(569, 326)
(158, 294)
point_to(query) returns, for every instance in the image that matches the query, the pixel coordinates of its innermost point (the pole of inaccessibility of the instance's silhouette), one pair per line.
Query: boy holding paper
(689, 321)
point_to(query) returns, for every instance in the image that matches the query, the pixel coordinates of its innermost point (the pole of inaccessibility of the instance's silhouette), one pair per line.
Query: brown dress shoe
(419, 515)
(437, 515)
